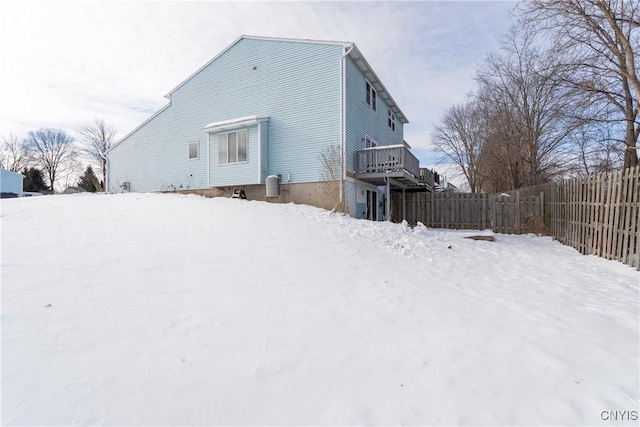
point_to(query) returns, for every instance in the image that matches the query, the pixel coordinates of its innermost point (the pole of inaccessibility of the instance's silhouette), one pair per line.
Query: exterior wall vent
(273, 186)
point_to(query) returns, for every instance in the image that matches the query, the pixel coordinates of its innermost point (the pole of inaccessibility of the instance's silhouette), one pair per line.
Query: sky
(66, 63)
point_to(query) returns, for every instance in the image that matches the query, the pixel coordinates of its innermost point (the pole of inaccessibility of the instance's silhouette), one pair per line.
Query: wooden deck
(395, 162)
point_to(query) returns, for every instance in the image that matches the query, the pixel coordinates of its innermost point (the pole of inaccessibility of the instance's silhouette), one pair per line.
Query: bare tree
(14, 155)
(500, 159)
(53, 150)
(528, 110)
(598, 151)
(598, 42)
(67, 175)
(459, 139)
(100, 138)
(332, 188)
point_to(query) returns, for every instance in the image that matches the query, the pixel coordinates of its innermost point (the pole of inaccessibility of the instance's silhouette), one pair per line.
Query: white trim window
(194, 150)
(232, 147)
(369, 142)
(371, 95)
(391, 119)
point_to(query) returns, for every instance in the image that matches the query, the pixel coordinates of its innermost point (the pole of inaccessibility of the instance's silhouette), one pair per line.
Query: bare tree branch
(598, 40)
(529, 115)
(14, 155)
(99, 137)
(53, 150)
(459, 139)
(332, 186)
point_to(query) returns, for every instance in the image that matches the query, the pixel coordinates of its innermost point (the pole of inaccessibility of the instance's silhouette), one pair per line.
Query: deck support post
(388, 209)
(404, 206)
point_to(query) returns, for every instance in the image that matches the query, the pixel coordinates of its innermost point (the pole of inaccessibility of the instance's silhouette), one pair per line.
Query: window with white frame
(193, 150)
(371, 95)
(391, 119)
(369, 142)
(232, 147)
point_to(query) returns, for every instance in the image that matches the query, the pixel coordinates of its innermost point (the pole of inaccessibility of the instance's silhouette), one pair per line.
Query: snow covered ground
(149, 309)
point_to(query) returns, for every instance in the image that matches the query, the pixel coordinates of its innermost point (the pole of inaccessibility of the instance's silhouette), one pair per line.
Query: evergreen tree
(89, 180)
(34, 180)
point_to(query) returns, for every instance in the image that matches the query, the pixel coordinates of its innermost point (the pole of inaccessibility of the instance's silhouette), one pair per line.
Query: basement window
(371, 95)
(193, 150)
(232, 147)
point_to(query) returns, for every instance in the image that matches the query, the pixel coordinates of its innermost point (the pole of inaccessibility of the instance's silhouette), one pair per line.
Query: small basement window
(193, 150)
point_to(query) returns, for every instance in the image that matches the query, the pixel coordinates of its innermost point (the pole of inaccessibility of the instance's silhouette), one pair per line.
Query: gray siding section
(361, 119)
(297, 85)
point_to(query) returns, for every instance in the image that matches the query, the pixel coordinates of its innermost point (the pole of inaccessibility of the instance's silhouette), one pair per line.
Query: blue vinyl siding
(155, 157)
(11, 182)
(264, 151)
(295, 84)
(242, 173)
(361, 119)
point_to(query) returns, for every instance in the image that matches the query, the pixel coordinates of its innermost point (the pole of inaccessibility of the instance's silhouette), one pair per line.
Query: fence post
(599, 214)
(542, 217)
(516, 220)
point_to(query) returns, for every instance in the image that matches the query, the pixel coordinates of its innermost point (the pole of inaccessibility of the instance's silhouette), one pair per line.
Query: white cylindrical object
(273, 186)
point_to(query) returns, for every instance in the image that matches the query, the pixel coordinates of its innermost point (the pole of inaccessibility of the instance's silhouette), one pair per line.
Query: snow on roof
(240, 121)
(383, 147)
(12, 172)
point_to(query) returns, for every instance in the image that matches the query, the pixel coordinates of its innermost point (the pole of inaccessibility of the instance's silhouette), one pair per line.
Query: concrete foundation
(319, 194)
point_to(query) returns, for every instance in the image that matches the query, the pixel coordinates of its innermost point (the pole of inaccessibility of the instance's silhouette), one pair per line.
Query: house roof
(372, 77)
(12, 172)
(350, 47)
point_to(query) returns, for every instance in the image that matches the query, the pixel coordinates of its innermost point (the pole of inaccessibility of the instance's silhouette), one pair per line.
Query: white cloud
(65, 63)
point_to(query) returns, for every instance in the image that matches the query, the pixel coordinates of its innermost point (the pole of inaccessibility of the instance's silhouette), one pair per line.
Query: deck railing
(386, 159)
(427, 177)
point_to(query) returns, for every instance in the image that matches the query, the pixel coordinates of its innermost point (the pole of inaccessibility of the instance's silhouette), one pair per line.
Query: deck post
(404, 206)
(388, 210)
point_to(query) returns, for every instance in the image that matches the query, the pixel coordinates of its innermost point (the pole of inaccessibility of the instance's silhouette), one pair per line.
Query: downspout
(106, 174)
(259, 152)
(208, 160)
(343, 120)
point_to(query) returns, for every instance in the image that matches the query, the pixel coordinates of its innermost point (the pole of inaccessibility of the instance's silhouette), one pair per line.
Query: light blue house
(274, 107)
(10, 183)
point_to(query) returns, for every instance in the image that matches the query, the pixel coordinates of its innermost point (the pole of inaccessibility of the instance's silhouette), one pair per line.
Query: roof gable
(372, 77)
(344, 44)
(350, 47)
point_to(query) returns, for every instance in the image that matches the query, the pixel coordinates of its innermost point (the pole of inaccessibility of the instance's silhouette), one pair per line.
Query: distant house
(271, 107)
(10, 183)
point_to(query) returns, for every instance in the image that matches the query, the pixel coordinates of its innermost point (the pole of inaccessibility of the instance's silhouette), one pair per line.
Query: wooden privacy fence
(597, 215)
